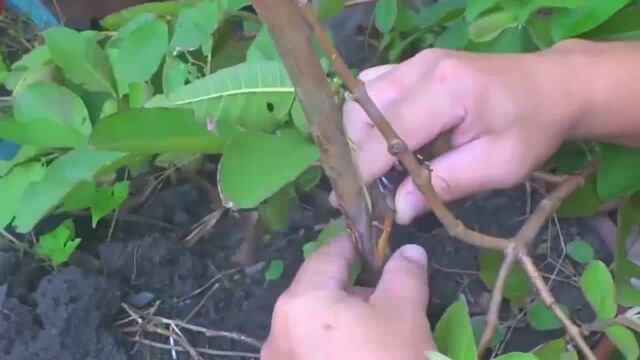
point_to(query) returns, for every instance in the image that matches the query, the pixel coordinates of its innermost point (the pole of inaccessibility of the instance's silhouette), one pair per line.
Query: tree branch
(356, 201)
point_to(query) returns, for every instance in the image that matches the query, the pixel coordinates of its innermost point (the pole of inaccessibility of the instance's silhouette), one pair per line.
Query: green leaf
(139, 94)
(433, 355)
(57, 245)
(263, 48)
(407, 19)
(517, 286)
(441, 12)
(160, 8)
(328, 8)
(274, 212)
(580, 251)
(516, 356)
(26, 152)
(511, 40)
(568, 355)
(107, 199)
(80, 58)
(386, 13)
(540, 30)
(453, 333)
(479, 323)
(34, 66)
(623, 25)
(47, 101)
(275, 270)
(78, 165)
(571, 157)
(45, 134)
(552, 350)
(628, 224)
(624, 340)
(4, 71)
(618, 172)
(174, 74)
(82, 196)
(489, 26)
(542, 318)
(329, 232)
(137, 51)
(195, 26)
(13, 185)
(582, 202)
(478, 7)
(250, 157)
(249, 96)
(569, 22)
(599, 290)
(454, 37)
(154, 130)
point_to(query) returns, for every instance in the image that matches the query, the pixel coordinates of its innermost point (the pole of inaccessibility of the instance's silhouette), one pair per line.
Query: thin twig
(201, 350)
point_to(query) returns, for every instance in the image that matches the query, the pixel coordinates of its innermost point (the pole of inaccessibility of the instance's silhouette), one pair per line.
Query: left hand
(321, 316)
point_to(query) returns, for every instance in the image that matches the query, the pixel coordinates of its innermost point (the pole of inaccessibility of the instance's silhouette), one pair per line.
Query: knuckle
(451, 68)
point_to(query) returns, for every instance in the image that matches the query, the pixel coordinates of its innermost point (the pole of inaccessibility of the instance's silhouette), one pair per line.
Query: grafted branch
(295, 47)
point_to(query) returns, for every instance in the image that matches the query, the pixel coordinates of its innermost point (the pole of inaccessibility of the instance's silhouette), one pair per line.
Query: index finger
(327, 268)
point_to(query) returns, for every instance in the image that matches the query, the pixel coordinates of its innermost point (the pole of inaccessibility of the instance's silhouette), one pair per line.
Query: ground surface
(72, 313)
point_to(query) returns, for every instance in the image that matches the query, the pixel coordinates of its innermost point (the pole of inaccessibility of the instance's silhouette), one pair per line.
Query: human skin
(507, 114)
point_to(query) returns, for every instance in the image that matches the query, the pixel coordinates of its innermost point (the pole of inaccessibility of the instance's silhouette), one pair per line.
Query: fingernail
(414, 253)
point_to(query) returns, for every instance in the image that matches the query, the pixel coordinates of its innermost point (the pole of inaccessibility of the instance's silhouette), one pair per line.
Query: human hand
(321, 317)
(507, 114)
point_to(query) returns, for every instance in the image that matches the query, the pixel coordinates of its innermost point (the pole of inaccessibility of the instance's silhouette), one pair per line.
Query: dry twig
(302, 71)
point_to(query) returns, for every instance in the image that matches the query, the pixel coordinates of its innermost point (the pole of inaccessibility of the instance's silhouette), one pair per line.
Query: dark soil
(71, 313)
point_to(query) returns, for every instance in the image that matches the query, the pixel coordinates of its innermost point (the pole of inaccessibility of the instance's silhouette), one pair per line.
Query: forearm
(608, 80)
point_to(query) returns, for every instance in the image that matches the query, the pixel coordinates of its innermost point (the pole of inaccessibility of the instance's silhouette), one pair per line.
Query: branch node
(397, 147)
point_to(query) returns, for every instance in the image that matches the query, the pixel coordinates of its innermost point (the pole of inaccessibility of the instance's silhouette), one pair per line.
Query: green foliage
(598, 288)
(386, 13)
(453, 333)
(552, 350)
(624, 340)
(542, 318)
(275, 270)
(479, 323)
(625, 269)
(580, 251)
(57, 245)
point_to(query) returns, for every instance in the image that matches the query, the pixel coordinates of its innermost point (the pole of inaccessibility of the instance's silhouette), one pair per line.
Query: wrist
(604, 85)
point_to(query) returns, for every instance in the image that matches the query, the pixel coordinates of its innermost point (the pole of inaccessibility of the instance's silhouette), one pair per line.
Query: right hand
(508, 113)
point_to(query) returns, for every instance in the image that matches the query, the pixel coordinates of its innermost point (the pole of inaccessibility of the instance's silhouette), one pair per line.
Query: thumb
(404, 281)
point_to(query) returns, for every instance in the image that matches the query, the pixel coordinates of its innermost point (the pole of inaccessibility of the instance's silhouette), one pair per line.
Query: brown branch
(496, 300)
(293, 39)
(550, 301)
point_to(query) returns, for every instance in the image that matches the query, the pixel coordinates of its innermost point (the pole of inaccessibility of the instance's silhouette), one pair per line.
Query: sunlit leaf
(13, 185)
(274, 212)
(263, 48)
(44, 134)
(516, 356)
(174, 74)
(251, 95)
(599, 290)
(580, 251)
(624, 340)
(441, 12)
(454, 37)
(194, 27)
(623, 25)
(78, 165)
(154, 130)
(80, 58)
(47, 101)
(453, 333)
(82, 196)
(137, 50)
(107, 199)
(584, 201)
(385, 15)
(256, 165)
(476, 8)
(57, 245)
(329, 8)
